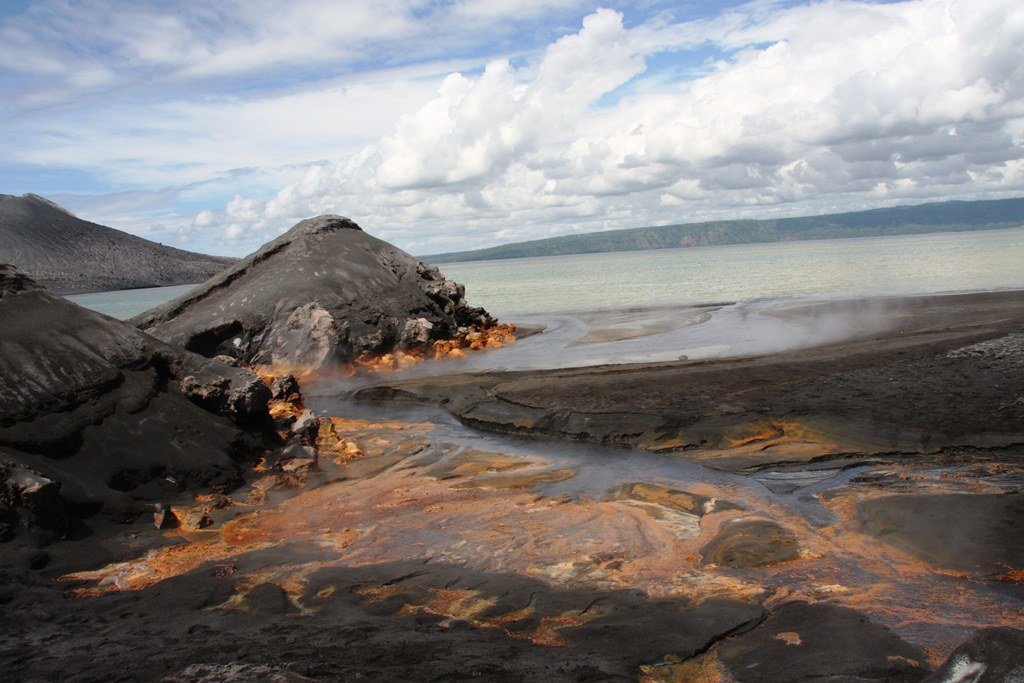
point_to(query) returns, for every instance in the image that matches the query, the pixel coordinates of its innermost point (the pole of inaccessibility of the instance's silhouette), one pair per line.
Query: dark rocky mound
(68, 255)
(94, 415)
(322, 292)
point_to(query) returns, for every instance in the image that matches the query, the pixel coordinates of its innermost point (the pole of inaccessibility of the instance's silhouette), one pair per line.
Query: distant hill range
(901, 220)
(69, 255)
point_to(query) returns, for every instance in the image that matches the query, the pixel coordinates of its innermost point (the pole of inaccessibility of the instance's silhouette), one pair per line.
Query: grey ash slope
(69, 255)
(323, 292)
(94, 409)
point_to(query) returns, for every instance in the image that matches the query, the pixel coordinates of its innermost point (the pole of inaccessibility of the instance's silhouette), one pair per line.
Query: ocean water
(870, 266)
(127, 303)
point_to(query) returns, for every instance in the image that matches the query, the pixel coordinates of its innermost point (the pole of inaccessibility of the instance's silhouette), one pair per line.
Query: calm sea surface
(943, 262)
(127, 303)
(870, 266)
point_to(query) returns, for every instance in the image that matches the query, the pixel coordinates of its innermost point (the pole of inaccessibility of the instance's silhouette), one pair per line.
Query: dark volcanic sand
(950, 374)
(98, 408)
(972, 534)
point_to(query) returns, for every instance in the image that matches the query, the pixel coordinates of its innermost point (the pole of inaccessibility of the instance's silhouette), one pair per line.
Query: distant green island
(951, 216)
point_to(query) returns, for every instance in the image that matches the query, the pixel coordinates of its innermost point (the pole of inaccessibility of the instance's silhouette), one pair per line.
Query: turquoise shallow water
(872, 266)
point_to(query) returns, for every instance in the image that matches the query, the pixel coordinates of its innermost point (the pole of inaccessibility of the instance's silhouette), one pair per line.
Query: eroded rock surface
(801, 641)
(751, 543)
(977, 534)
(404, 554)
(681, 501)
(111, 417)
(948, 376)
(324, 292)
(407, 621)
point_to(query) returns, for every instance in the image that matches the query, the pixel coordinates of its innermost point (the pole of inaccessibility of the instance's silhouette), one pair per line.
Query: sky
(451, 125)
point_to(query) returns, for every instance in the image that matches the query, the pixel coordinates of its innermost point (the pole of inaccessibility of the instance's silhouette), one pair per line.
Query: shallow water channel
(598, 469)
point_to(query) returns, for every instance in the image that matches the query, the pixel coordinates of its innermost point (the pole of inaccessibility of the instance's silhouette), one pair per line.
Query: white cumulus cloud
(440, 127)
(817, 107)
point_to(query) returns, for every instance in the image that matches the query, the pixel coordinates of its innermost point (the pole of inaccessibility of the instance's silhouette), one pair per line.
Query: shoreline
(844, 381)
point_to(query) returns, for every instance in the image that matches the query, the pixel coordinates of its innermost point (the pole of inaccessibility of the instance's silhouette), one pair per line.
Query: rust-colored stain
(481, 339)
(690, 502)
(401, 515)
(492, 337)
(775, 433)
(457, 603)
(331, 443)
(482, 510)
(771, 431)
(518, 480)
(473, 462)
(789, 638)
(280, 409)
(548, 632)
(1013, 576)
(473, 607)
(703, 669)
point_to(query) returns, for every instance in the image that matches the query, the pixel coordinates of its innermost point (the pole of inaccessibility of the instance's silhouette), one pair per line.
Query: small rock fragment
(283, 388)
(416, 331)
(198, 519)
(305, 428)
(166, 518)
(268, 598)
(31, 501)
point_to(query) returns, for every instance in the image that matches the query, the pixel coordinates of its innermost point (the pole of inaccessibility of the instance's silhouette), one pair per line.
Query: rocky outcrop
(95, 415)
(68, 254)
(324, 292)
